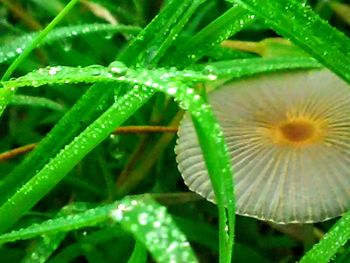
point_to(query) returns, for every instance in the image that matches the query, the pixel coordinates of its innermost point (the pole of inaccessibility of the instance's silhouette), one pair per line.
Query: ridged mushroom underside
(288, 136)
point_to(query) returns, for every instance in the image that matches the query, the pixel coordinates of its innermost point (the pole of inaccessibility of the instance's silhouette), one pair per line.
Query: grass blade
(330, 243)
(306, 29)
(150, 224)
(5, 100)
(16, 46)
(220, 29)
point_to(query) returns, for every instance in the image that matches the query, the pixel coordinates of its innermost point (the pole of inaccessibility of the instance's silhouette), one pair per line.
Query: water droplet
(118, 68)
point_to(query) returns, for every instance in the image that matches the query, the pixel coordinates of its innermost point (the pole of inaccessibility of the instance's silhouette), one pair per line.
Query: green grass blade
(306, 29)
(17, 45)
(38, 39)
(70, 125)
(65, 160)
(76, 119)
(217, 161)
(220, 29)
(147, 220)
(175, 31)
(61, 224)
(52, 173)
(116, 72)
(238, 68)
(149, 223)
(139, 254)
(330, 243)
(5, 99)
(43, 248)
(23, 100)
(146, 45)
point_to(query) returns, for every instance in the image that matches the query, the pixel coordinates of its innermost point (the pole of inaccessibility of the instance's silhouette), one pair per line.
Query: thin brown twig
(121, 130)
(17, 151)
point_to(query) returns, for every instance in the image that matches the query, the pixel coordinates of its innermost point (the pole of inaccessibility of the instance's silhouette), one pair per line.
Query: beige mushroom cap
(288, 136)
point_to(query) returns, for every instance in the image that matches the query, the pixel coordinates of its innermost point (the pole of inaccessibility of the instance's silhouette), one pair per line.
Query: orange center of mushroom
(297, 131)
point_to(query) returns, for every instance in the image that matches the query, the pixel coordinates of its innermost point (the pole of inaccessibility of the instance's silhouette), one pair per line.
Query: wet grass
(92, 191)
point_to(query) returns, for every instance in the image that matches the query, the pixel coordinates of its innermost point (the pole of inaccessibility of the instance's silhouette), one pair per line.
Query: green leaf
(150, 224)
(82, 113)
(23, 100)
(297, 22)
(61, 224)
(237, 68)
(145, 46)
(147, 220)
(16, 46)
(231, 22)
(330, 243)
(139, 255)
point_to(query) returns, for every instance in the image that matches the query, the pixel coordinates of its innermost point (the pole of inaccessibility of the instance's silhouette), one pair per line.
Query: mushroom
(288, 136)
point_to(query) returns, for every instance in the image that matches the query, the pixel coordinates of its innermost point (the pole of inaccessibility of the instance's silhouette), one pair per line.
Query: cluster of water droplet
(150, 222)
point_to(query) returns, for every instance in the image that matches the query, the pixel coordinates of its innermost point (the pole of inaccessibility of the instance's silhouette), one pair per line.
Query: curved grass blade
(238, 68)
(82, 113)
(23, 100)
(17, 45)
(6, 96)
(73, 122)
(147, 220)
(231, 22)
(306, 29)
(150, 224)
(52, 173)
(63, 223)
(55, 170)
(330, 243)
(43, 248)
(145, 46)
(38, 39)
(139, 254)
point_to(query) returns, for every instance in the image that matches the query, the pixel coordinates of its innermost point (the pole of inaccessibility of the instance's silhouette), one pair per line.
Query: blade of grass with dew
(70, 252)
(53, 172)
(62, 223)
(238, 68)
(139, 254)
(17, 45)
(56, 169)
(71, 124)
(96, 73)
(10, 92)
(303, 27)
(231, 22)
(140, 215)
(330, 243)
(159, 53)
(328, 45)
(23, 100)
(150, 223)
(48, 242)
(144, 47)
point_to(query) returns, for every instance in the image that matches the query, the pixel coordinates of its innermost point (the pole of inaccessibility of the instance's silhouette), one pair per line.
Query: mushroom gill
(288, 135)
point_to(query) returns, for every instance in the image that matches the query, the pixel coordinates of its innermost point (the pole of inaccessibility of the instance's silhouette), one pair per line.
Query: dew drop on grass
(117, 68)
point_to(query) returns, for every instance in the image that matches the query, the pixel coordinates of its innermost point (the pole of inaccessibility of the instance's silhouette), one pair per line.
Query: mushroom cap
(288, 136)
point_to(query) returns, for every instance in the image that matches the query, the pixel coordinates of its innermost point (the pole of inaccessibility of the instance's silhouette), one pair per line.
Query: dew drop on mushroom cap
(288, 135)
